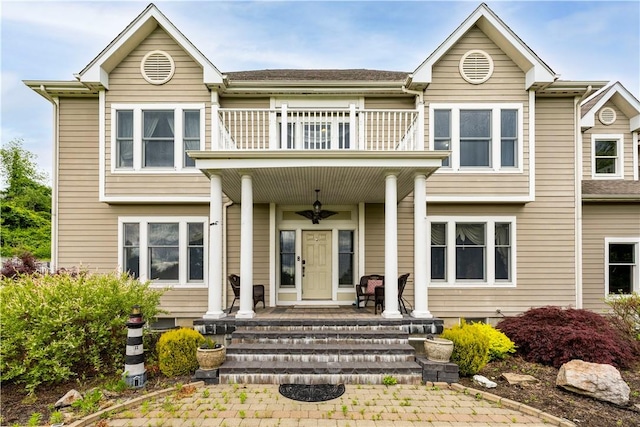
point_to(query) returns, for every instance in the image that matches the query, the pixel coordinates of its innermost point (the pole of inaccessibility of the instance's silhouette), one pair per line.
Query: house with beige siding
(495, 184)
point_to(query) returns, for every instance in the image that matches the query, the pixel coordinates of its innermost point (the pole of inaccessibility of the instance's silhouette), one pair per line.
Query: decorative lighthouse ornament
(134, 373)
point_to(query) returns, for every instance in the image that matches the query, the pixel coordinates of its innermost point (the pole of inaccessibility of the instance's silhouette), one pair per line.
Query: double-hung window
(621, 265)
(481, 137)
(156, 137)
(316, 130)
(472, 251)
(167, 250)
(607, 156)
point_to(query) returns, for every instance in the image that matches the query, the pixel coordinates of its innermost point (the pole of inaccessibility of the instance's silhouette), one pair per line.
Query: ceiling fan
(317, 213)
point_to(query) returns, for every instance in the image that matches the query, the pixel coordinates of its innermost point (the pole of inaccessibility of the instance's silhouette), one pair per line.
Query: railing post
(215, 122)
(352, 126)
(284, 128)
(419, 144)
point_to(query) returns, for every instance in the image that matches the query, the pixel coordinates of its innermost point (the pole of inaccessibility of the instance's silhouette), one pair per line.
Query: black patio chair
(258, 292)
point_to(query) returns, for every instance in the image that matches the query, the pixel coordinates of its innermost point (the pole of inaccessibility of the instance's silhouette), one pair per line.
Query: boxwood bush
(553, 336)
(55, 327)
(470, 347)
(177, 351)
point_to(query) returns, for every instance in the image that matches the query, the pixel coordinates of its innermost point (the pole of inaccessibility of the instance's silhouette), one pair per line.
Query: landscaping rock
(484, 381)
(596, 380)
(66, 400)
(517, 379)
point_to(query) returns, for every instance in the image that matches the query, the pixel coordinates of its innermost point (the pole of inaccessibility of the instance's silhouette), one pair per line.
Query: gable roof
(96, 73)
(537, 72)
(617, 94)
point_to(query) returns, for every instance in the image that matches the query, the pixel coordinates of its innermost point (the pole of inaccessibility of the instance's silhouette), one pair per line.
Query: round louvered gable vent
(157, 67)
(607, 116)
(476, 66)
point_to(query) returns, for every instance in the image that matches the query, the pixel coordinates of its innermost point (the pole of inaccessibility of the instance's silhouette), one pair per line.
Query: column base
(214, 315)
(391, 315)
(421, 314)
(245, 314)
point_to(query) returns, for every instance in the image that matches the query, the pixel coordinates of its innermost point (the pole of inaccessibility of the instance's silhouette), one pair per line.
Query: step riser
(322, 358)
(317, 340)
(251, 378)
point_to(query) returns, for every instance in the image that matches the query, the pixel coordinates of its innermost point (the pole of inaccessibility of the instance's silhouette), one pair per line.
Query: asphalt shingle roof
(611, 188)
(318, 75)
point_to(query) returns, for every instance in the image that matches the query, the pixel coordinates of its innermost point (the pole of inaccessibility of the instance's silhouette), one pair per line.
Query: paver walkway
(262, 405)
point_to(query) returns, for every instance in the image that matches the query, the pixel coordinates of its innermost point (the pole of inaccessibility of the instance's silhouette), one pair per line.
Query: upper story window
(621, 265)
(168, 250)
(481, 137)
(607, 156)
(154, 137)
(318, 130)
(472, 250)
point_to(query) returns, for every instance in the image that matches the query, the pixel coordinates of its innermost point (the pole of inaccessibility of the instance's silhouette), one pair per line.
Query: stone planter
(211, 358)
(438, 349)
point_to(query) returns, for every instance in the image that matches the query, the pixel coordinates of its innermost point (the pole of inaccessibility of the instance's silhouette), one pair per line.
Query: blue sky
(594, 40)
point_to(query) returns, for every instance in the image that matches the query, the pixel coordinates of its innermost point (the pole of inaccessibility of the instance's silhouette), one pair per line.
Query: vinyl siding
(506, 85)
(391, 103)
(621, 126)
(87, 228)
(260, 247)
(127, 86)
(600, 221)
(545, 229)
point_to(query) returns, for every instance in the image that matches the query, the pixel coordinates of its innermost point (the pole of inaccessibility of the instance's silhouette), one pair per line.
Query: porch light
(317, 213)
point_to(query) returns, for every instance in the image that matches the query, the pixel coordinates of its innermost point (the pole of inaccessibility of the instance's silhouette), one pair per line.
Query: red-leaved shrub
(554, 336)
(26, 263)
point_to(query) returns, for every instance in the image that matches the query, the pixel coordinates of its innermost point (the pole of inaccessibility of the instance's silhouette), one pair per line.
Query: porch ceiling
(343, 177)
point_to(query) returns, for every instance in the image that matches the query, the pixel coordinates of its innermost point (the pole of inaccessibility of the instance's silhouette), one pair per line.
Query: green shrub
(55, 327)
(499, 344)
(470, 347)
(177, 351)
(626, 314)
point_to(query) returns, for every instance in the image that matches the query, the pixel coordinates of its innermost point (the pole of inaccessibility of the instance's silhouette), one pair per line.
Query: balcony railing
(318, 129)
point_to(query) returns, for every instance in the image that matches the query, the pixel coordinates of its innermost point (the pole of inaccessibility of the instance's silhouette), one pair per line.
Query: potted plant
(438, 349)
(210, 354)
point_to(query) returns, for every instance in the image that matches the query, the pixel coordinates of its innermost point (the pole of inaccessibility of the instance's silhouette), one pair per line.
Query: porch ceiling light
(317, 213)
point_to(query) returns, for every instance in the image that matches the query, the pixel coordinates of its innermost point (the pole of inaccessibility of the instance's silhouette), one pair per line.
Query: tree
(26, 203)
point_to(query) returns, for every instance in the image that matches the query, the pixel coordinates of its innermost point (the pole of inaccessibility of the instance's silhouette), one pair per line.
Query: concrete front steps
(315, 352)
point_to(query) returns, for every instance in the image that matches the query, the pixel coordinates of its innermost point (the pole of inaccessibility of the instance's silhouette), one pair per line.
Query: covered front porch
(286, 181)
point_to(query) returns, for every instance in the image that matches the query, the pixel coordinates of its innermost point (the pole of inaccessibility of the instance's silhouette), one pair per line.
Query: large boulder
(596, 380)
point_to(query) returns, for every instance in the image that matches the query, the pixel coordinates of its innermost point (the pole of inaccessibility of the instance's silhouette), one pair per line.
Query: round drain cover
(312, 392)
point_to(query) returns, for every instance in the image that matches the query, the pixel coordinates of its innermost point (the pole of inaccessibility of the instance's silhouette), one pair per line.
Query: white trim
(619, 159)
(632, 106)
(361, 242)
(273, 241)
(143, 221)
(577, 203)
(102, 144)
(178, 144)
(55, 178)
(634, 153)
(454, 160)
(532, 146)
(155, 199)
(490, 222)
(636, 273)
(479, 199)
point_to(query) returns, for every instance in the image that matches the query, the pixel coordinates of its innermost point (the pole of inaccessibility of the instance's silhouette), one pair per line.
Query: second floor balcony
(318, 129)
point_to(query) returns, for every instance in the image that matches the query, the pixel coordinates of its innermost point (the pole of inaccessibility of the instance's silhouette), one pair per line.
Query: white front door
(316, 265)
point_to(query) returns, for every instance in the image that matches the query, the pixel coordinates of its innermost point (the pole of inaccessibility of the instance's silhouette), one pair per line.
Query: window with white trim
(481, 137)
(316, 131)
(621, 265)
(167, 250)
(472, 250)
(156, 137)
(607, 156)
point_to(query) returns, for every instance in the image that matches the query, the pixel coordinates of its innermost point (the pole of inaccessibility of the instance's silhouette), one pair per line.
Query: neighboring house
(498, 186)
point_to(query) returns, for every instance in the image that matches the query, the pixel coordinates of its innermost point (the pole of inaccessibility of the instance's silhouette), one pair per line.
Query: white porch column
(216, 281)
(246, 250)
(391, 248)
(420, 249)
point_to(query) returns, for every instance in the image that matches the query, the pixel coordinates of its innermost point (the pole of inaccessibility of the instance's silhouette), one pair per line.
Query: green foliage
(89, 403)
(499, 344)
(470, 347)
(389, 380)
(177, 351)
(56, 417)
(35, 419)
(208, 343)
(25, 204)
(55, 327)
(626, 314)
